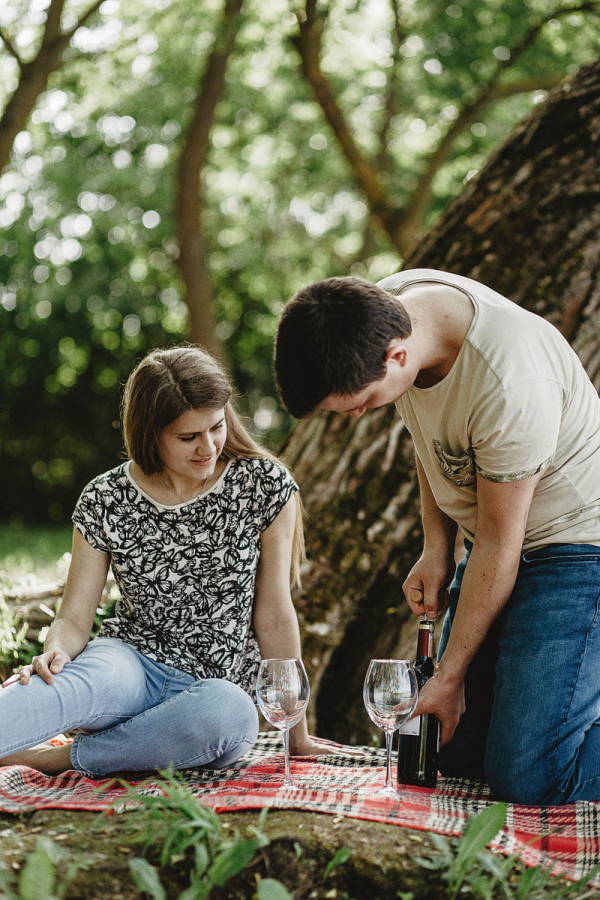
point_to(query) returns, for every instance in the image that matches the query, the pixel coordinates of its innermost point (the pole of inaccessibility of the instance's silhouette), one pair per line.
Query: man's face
(388, 389)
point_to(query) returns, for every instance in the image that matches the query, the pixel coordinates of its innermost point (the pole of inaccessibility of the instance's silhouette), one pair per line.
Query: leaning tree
(527, 225)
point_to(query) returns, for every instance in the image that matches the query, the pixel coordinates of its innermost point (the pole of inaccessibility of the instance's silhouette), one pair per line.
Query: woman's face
(190, 446)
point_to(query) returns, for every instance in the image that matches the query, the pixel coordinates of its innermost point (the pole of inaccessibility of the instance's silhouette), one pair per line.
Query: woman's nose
(205, 445)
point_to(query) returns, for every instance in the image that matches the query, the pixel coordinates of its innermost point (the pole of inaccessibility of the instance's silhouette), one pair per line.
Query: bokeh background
(176, 170)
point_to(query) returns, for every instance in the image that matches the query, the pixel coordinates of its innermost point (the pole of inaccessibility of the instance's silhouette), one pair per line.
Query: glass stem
(286, 750)
(389, 736)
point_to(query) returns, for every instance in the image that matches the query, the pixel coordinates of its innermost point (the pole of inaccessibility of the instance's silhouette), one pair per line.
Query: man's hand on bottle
(445, 699)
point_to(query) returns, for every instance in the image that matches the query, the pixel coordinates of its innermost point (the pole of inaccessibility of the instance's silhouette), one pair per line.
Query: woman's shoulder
(106, 482)
(260, 470)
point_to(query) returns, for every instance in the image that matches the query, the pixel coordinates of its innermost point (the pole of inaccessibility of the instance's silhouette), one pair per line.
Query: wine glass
(282, 692)
(390, 694)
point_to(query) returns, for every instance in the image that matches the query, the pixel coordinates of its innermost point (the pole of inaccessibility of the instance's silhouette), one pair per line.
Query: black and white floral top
(186, 573)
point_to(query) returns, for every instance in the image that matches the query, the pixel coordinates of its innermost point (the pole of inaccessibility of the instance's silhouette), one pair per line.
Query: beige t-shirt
(516, 401)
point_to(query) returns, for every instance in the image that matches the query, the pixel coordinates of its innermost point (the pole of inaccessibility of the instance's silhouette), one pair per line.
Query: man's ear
(396, 351)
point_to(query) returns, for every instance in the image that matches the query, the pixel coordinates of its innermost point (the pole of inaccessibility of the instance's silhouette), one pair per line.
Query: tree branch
(84, 18)
(35, 74)
(308, 44)
(391, 106)
(10, 46)
(52, 30)
(488, 93)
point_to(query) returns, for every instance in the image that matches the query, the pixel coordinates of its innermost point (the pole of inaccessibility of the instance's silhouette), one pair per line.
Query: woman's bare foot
(45, 758)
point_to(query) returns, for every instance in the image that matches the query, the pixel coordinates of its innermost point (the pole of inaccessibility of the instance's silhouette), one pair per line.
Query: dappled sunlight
(293, 187)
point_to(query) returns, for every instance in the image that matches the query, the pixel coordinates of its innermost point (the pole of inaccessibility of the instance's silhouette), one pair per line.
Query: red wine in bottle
(419, 741)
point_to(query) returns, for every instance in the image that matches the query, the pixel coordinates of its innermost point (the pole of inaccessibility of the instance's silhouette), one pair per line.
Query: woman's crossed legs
(138, 715)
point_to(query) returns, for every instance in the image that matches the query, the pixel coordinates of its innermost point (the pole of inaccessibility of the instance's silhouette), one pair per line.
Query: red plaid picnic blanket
(567, 838)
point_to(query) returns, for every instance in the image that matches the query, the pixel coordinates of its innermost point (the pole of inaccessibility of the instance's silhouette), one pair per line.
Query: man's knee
(512, 777)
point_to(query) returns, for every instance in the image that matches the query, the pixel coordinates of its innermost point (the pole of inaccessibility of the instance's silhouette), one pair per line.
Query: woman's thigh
(210, 723)
(102, 686)
(546, 694)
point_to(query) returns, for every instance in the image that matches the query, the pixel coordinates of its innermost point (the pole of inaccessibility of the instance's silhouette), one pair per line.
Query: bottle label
(411, 727)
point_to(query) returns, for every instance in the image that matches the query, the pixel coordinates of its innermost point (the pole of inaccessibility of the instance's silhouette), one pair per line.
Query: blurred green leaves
(88, 260)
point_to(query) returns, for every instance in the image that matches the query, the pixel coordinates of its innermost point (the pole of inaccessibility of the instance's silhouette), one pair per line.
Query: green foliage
(478, 834)
(39, 878)
(271, 889)
(39, 553)
(342, 856)
(15, 649)
(173, 827)
(468, 868)
(22, 563)
(88, 258)
(146, 878)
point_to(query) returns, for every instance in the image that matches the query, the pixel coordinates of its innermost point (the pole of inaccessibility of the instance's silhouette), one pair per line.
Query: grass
(176, 849)
(29, 558)
(27, 553)
(175, 837)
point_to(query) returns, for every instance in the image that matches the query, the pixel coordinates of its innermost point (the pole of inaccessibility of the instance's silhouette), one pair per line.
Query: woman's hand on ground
(46, 666)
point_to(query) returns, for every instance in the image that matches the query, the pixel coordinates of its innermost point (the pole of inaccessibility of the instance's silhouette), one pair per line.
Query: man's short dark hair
(332, 339)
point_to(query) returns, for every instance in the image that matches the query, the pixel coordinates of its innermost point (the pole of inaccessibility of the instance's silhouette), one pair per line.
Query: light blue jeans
(532, 692)
(140, 714)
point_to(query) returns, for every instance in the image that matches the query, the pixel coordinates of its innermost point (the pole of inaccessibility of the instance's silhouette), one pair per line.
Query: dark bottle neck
(425, 639)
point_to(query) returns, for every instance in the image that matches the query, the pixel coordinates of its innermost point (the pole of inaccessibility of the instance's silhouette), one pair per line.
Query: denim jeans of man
(138, 714)
(532, 692)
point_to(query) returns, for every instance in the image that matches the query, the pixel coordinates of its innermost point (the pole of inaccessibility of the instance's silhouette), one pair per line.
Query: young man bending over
(506, 428)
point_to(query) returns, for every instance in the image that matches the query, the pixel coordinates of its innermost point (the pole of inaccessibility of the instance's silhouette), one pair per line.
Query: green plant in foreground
(174, 827)
(469, 868)
(38, 879)
(342, 856)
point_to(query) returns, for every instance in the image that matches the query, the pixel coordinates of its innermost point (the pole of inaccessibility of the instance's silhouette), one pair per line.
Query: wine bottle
(419, 738)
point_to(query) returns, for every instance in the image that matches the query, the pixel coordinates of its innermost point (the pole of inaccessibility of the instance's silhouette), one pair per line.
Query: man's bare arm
(502, 512)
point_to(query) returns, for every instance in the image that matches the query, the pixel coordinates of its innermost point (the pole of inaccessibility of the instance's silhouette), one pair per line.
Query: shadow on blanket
(564, 837)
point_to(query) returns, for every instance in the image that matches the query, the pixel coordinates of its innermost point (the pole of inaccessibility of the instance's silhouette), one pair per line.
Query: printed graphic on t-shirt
(186, 574)
(460, 470)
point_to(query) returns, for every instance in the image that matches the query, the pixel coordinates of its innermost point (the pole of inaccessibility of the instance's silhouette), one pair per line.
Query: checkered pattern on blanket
(564, 837)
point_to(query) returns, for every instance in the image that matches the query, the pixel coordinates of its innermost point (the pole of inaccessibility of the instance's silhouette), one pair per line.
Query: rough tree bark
(404, 223)
(199, 294)
(529, 226)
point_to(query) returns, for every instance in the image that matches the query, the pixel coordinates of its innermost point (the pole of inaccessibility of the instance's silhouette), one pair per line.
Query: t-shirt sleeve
(515, 433)
(88, 520)
(274, 487)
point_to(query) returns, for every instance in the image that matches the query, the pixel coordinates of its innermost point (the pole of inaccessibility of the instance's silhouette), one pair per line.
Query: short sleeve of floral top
(186, 573)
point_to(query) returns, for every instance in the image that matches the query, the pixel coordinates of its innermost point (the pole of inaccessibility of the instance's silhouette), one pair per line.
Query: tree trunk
(528, 226)
(193, 264)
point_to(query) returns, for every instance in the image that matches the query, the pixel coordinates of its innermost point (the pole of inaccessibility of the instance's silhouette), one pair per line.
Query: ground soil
(382, 864)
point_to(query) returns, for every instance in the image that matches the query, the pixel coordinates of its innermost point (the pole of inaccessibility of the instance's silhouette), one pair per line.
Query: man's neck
(441, 317)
